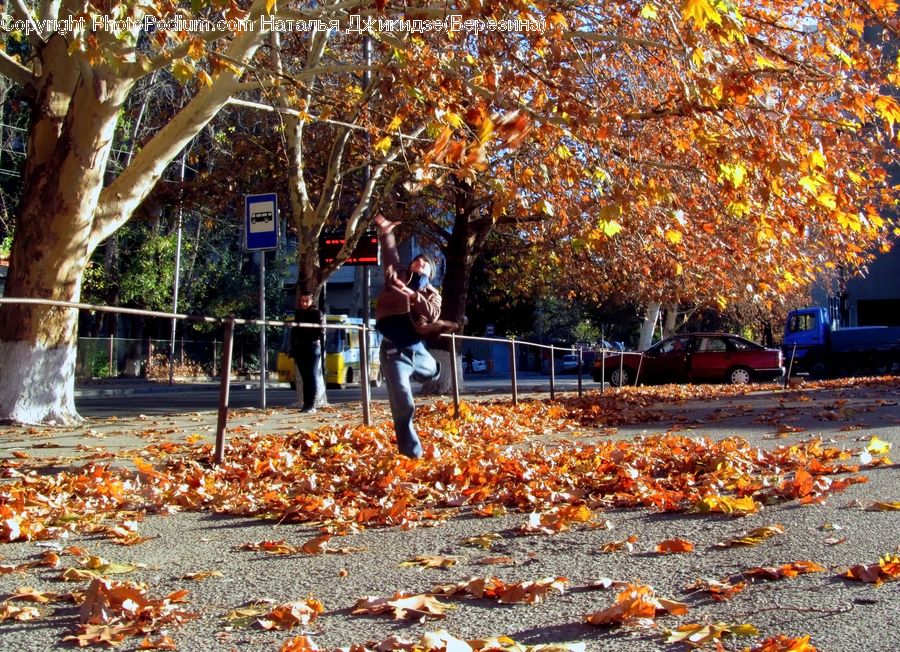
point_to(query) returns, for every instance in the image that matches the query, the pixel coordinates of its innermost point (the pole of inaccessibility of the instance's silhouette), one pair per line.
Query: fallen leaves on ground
(698, 635)
(717, 590)
(887, 568)
(674, 546)
(111, 611)
(753, 537)
(793, 569)
(402, 606)
(636, 606)
(782, 643)
(527, 592)
(430, 561)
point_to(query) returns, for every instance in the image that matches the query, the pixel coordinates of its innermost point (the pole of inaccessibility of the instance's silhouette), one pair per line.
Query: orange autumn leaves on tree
(721, 161)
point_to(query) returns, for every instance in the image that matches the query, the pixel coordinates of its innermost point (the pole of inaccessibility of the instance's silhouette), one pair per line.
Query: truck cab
(815, 344)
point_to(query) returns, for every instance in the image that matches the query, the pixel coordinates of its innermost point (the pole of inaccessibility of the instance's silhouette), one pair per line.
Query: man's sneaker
(308, 410)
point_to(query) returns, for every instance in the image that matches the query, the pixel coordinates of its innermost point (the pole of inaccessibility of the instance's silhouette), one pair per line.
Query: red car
(693, 358)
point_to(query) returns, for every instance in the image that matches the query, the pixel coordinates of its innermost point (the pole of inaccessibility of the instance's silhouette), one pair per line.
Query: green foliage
(6, 245)
(585, 331)
(149, 278)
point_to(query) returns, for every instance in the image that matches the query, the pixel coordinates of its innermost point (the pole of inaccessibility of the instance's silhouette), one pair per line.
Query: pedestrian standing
(406, 312)
(306, 349)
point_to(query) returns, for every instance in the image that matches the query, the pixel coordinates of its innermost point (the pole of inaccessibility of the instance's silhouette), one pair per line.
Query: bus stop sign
(261, 222)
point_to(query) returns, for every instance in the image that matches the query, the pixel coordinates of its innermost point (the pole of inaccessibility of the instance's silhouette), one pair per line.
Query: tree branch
(36, 36)
(617, 38)
(11, 68)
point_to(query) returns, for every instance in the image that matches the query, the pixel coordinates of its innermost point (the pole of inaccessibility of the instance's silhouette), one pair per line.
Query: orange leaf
(674, 545)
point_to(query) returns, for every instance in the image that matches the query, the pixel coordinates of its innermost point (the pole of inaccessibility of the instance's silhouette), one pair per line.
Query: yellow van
(341, 354)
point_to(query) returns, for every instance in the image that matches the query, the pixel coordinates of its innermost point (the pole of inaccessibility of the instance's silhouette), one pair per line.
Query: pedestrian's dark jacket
(303, 338)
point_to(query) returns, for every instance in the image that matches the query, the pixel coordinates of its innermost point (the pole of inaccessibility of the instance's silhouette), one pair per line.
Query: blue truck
(821, 347)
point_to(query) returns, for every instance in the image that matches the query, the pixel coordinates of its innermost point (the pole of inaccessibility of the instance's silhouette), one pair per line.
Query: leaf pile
(350, 476)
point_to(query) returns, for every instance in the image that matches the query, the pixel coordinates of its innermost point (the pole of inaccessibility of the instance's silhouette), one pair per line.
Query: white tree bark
(651, 315)
(31, 384)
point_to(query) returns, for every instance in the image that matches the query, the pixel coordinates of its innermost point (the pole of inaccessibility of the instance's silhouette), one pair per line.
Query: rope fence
(227, 345)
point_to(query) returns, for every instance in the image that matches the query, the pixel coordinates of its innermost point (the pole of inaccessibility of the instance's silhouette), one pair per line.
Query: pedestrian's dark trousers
(309, 363)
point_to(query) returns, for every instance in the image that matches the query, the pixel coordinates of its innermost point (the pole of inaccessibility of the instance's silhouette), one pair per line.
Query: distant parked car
(478, 366)
(693, 358)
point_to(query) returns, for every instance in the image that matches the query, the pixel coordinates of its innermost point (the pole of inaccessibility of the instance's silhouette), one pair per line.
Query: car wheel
(740, 376)
(620, 377)
(377, 380)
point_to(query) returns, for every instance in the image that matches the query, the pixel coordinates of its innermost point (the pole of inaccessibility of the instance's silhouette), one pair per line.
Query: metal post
(621, 368)
(224, 389)
(214, 346)
(262, 330)
(149, 356)
(602, 369)
(552, 373)
(787, 374)
(365, 390)
(176, 282)
(640, 364)
(515, 384)
(454, 380)
(109, 368)
(580, 362)
(364, 372)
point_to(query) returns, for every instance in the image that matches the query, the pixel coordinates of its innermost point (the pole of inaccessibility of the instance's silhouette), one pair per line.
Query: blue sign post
(261, 235)
(261, 222)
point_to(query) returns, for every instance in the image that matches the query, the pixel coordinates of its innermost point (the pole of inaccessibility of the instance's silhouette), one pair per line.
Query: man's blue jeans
(399, 365)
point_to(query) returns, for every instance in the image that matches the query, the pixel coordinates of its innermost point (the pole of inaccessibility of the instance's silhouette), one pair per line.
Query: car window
(674, 345)
(740, 344)
(712, 344)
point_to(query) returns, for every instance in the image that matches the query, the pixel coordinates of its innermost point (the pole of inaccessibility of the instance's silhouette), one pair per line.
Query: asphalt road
(126, 399)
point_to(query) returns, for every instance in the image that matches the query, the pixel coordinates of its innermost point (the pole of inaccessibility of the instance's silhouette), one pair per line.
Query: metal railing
(227, 346)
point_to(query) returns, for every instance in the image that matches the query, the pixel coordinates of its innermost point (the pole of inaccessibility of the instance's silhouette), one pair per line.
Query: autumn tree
(738, 151)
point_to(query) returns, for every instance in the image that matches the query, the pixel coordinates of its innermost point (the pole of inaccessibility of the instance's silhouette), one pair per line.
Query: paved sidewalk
(841, 616)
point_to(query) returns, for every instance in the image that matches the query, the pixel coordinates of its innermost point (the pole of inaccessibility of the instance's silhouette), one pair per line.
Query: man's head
(305, 300)
(422, 264)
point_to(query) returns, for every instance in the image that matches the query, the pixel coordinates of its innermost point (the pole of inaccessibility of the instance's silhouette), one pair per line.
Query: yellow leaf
(383, 145)
(884, 507)
(817, 160)
(563, 152)
(810, 183)
(395, 123)
(182, 71)
(698, 57)
(673, 236)
(701, 12)
(610, 227)
(678, 269)
(485, 130)
(545, 207)
(734, 173)
(888, 108)
(649, 11)
(828, 200)
(270, 5)
(454, 119)
(764, 63)
(204, 79)
(877, 446)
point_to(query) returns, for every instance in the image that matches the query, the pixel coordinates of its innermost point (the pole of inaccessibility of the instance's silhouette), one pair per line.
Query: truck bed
(865, 338)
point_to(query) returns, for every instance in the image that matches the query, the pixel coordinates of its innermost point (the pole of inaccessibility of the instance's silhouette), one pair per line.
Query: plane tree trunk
(467, 237)
(65, 211)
